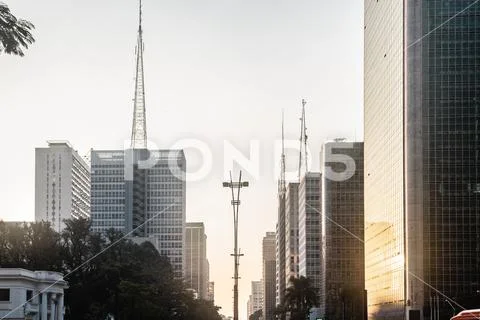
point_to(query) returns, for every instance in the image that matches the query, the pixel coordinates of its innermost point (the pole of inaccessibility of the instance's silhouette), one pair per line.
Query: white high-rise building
(255, 300)
(62, 184)
(196, 263)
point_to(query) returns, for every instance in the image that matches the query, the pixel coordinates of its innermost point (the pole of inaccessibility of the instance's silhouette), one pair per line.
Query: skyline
(218, 230)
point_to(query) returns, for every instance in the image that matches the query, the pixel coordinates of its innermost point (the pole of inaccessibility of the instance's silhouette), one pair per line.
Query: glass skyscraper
(309, 228)
(422, 181)
(268, 273)
(342, 289)
(280, 249)
(197, 267)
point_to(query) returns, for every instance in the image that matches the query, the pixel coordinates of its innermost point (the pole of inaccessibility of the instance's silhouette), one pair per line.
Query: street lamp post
(235, 186)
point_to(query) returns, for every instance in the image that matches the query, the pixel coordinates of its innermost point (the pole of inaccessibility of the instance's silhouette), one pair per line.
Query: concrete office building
(281, 232)
(291, 232)
(268, 262)
(422, 154)
(211, 291)
(152, 205)
(62, 184)
(309, 228)
(196, 270)
(255, 300)
(34, 295)
(280, 251)
(342, 287)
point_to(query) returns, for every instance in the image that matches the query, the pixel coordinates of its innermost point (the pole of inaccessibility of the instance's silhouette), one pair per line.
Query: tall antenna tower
(139, 127)
(282, 188)
(303, 156)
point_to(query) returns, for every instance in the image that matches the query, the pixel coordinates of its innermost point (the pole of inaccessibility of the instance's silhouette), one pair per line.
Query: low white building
(33, 295)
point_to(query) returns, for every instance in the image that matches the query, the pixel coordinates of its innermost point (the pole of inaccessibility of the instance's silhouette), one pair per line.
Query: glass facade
(107, 191)
(151, 203)
(196, 270)
(309, 227)
(384, 184)
(268, 273)
(280, 251)
(443, 174)
(422, 83)
(343, 273)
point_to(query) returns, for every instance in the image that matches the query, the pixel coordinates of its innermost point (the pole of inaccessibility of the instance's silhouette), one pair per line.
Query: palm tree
(300, 297)
(14, 33)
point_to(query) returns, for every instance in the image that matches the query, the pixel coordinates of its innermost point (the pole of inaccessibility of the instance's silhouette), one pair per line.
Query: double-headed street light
(235, 186)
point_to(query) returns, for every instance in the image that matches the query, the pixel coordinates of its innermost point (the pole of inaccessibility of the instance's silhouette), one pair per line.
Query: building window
(4, 294)
(29, 295)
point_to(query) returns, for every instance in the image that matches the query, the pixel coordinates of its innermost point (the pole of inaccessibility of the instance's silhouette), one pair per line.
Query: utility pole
(235, 188)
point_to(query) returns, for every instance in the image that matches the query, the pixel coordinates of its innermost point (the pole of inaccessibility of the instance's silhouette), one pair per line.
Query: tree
(198, 309)
(15, 33)
(108, 276)
(256, 315)
(14, 244)
(84, 295)
(300, 297)
(43, 251)
(280, 312)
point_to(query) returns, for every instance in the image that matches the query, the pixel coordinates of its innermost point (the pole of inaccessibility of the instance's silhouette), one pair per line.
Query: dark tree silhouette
(300, 297)
(106, 275)
(15, 34)
(257, 315)
(43, 250)
(14, 244)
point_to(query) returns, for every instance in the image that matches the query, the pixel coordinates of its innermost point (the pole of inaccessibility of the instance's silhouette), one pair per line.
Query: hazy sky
(215, 70)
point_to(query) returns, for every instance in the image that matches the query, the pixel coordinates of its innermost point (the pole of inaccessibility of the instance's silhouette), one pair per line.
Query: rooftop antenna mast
(139, 126)
(303, 156)
(282, 184)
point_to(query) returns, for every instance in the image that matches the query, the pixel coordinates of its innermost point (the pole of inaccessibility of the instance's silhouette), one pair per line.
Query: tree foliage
(300, 297)
(257, 315)
(15, 34)
(106, 275)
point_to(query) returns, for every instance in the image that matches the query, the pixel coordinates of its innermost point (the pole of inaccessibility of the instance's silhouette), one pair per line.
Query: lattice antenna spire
(305, 137)
(139, 127)
(140, 15)
(282, 188)
(303, 154)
